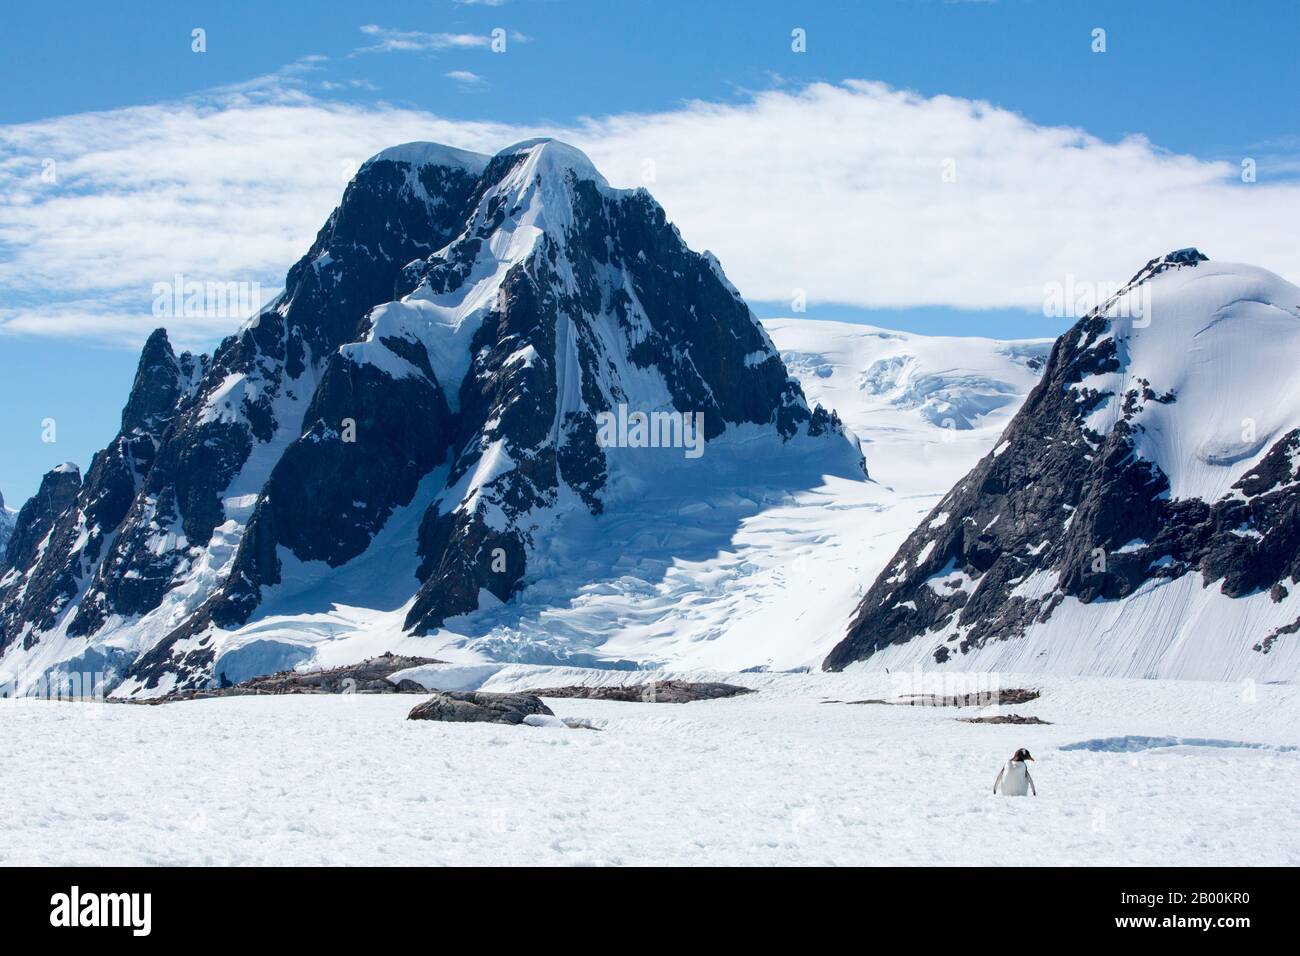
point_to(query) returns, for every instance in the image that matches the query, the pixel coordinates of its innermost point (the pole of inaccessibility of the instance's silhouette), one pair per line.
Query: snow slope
(1224, 339)
(1128, 773)
(925, 407)
(1167, 628)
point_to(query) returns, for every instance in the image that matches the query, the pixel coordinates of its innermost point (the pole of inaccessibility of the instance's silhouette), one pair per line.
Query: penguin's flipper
(1032, 788)
(998, 782)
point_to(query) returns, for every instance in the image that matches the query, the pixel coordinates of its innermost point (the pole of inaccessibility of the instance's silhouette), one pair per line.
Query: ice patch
(1132, 744)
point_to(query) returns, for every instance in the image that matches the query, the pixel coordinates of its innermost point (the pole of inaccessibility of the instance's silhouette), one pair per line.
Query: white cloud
(464, 77)
(838, 189)
(834, 189)
(232, 190)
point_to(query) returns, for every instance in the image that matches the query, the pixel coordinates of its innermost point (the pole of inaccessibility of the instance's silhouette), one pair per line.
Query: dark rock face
(1059, 498)
(81, 517)
(156, 492)
(37, 517)
(332, 491)
(421, 343)
(658, 692)
(45, 526)
(479, 707)
(192, 425)
(7, 519)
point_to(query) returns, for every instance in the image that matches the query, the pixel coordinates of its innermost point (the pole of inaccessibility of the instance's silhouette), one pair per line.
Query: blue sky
(1183, 92)
(1208, 78)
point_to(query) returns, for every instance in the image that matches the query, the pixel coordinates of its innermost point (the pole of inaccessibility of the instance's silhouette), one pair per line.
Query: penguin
(1014, 778)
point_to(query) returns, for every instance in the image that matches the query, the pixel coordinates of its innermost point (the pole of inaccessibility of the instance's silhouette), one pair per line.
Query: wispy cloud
(390, 41)
(96, 208)
(279, 81)
(840, 190)
(353, 84)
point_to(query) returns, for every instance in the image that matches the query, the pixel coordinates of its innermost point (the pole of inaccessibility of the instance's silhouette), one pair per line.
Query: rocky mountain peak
(417, 155)
(1178, 259)
(548, 159)
(58, 490)
(156, 388)
(1188, 256)
(426, 391)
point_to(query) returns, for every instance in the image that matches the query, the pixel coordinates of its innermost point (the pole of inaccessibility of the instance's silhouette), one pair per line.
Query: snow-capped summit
(410, 427)
(551, 159)
(421, 154)
(1220, 341)
(1138, 516)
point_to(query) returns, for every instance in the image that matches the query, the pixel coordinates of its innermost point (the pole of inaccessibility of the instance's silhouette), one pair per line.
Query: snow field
(777, 777)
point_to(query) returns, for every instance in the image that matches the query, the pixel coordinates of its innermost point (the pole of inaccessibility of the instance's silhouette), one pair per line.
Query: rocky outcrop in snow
(479, 707)
(656, 692)
(371, 676)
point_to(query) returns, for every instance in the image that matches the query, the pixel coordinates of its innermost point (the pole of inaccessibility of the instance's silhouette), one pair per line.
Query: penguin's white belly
(1015, 779)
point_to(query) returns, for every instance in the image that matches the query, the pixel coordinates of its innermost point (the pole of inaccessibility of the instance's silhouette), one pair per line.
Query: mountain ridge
(1137, 517)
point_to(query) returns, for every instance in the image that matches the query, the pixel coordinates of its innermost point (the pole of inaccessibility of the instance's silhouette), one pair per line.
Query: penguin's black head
(1022, 754)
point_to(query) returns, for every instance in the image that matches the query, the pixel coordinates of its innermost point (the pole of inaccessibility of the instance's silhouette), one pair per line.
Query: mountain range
(502, 411)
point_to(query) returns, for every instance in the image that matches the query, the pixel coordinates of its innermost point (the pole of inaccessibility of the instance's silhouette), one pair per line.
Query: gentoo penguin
(1014, 779)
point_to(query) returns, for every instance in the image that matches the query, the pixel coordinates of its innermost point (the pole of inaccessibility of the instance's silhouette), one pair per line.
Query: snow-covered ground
(778, 776)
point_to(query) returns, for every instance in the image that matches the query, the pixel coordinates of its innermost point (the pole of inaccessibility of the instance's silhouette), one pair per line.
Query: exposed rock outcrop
(479, 707)
(371, 676)
(657, 692)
